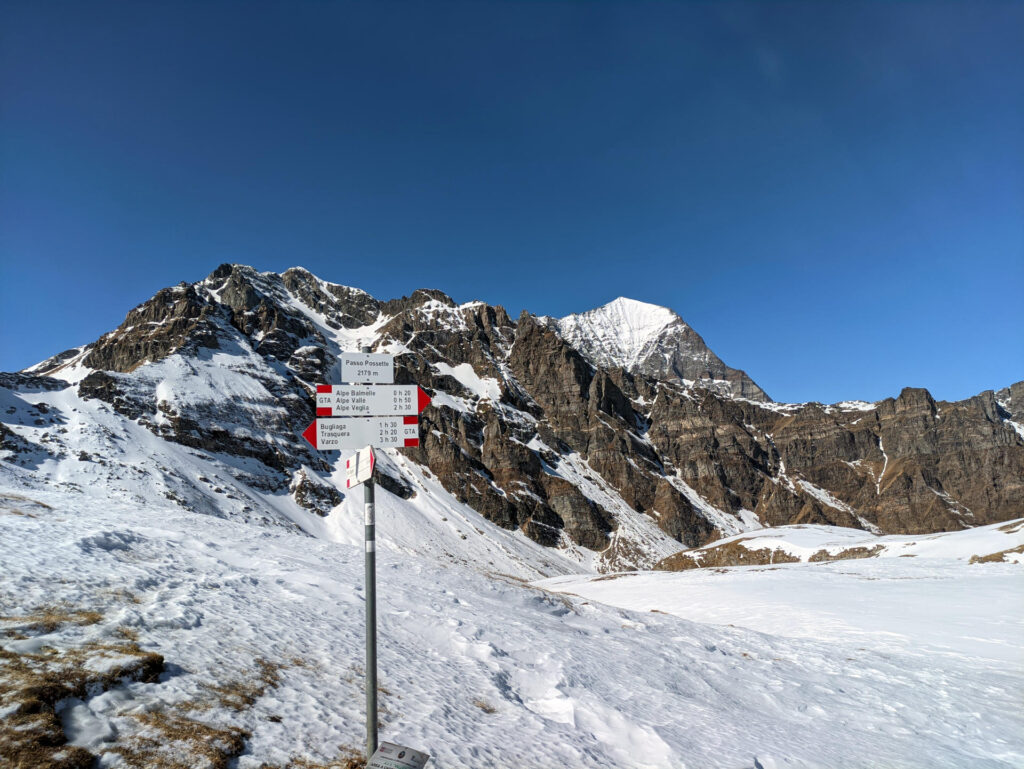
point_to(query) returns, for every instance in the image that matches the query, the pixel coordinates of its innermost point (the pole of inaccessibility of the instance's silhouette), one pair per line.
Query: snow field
(571, 683)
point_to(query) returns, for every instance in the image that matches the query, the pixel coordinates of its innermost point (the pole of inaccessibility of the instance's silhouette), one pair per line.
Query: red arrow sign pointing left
(310, 434)
(356, 432)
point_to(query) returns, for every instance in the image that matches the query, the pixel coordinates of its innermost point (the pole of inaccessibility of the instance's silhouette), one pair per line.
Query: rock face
(616, 431)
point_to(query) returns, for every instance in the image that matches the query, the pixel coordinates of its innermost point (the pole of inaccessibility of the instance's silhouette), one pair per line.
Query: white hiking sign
(356, 416)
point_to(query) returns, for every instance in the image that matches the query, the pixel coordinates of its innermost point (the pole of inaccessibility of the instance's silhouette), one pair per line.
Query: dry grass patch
(16, 504)
(127, 633)
(173, 740)
(122, 594)
(999, 557)
(486, 707)
(241, 693)
(31, 735)
(16, 511)
(347, 758)
(47, 619)
(8, 500)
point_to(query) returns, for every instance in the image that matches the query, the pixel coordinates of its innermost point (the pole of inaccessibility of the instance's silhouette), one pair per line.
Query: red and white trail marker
(357, 432)
(362, 401)
(359, 467)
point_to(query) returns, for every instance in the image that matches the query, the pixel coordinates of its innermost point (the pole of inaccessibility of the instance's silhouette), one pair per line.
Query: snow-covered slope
(614, 471)
(234, 408)
(260, 632)
(959, 594)
(163, 503)
(85, 449)
(808, 544)
(652, 340)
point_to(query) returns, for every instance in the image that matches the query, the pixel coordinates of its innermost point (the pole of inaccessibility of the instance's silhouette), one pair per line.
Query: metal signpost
(361, 417)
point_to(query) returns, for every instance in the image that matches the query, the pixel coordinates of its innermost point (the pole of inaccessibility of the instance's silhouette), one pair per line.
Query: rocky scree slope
(626, 447)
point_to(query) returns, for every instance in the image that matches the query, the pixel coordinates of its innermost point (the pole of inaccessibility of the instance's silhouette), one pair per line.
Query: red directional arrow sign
(363, 401)
(356, 432)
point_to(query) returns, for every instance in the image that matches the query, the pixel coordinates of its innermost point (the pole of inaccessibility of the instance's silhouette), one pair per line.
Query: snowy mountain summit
(611, 439)
(653, 341)
(192, 567)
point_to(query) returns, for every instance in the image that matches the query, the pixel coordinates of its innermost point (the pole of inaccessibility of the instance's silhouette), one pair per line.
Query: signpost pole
(369, 513)
(385, 415)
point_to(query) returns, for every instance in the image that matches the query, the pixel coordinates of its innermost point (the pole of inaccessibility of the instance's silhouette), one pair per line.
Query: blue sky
(832, 194)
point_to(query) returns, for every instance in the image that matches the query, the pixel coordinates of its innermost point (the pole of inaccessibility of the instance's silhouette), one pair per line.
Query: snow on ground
(98, 453)
(482, 387)
(955, 629)
(435, 525)
(803, 541)
(491, 672)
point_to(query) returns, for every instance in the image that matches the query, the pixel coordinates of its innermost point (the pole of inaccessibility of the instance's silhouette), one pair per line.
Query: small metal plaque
(391, 756)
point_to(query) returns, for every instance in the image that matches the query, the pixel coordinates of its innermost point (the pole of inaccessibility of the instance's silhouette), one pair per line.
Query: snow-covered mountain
(652, 341)
(180, 572)
(563, 434)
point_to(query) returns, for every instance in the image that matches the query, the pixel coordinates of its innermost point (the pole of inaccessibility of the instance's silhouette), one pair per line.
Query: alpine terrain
(181, 572)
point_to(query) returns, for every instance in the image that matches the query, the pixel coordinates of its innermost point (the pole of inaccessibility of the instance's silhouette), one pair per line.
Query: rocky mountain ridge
(617, 449)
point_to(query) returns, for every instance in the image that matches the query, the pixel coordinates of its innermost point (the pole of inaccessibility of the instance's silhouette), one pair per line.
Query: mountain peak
(625, 328)
(652, 340)
(628, 304)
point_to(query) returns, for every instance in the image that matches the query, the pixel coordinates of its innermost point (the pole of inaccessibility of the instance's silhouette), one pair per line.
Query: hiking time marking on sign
(357, 432)
(362, 401)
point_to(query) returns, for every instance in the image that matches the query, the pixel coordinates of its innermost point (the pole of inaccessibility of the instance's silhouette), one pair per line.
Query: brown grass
(173, 740)
(486, 707)
(170, 737)
(8, 497)
(241, 693)
(121, 594)
(47, 619)
(347, 758)
(32, 736)
(127, 633)
(999, 557)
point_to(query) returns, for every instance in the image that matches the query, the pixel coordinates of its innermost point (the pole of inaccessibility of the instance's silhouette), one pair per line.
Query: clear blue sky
(832, 194)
